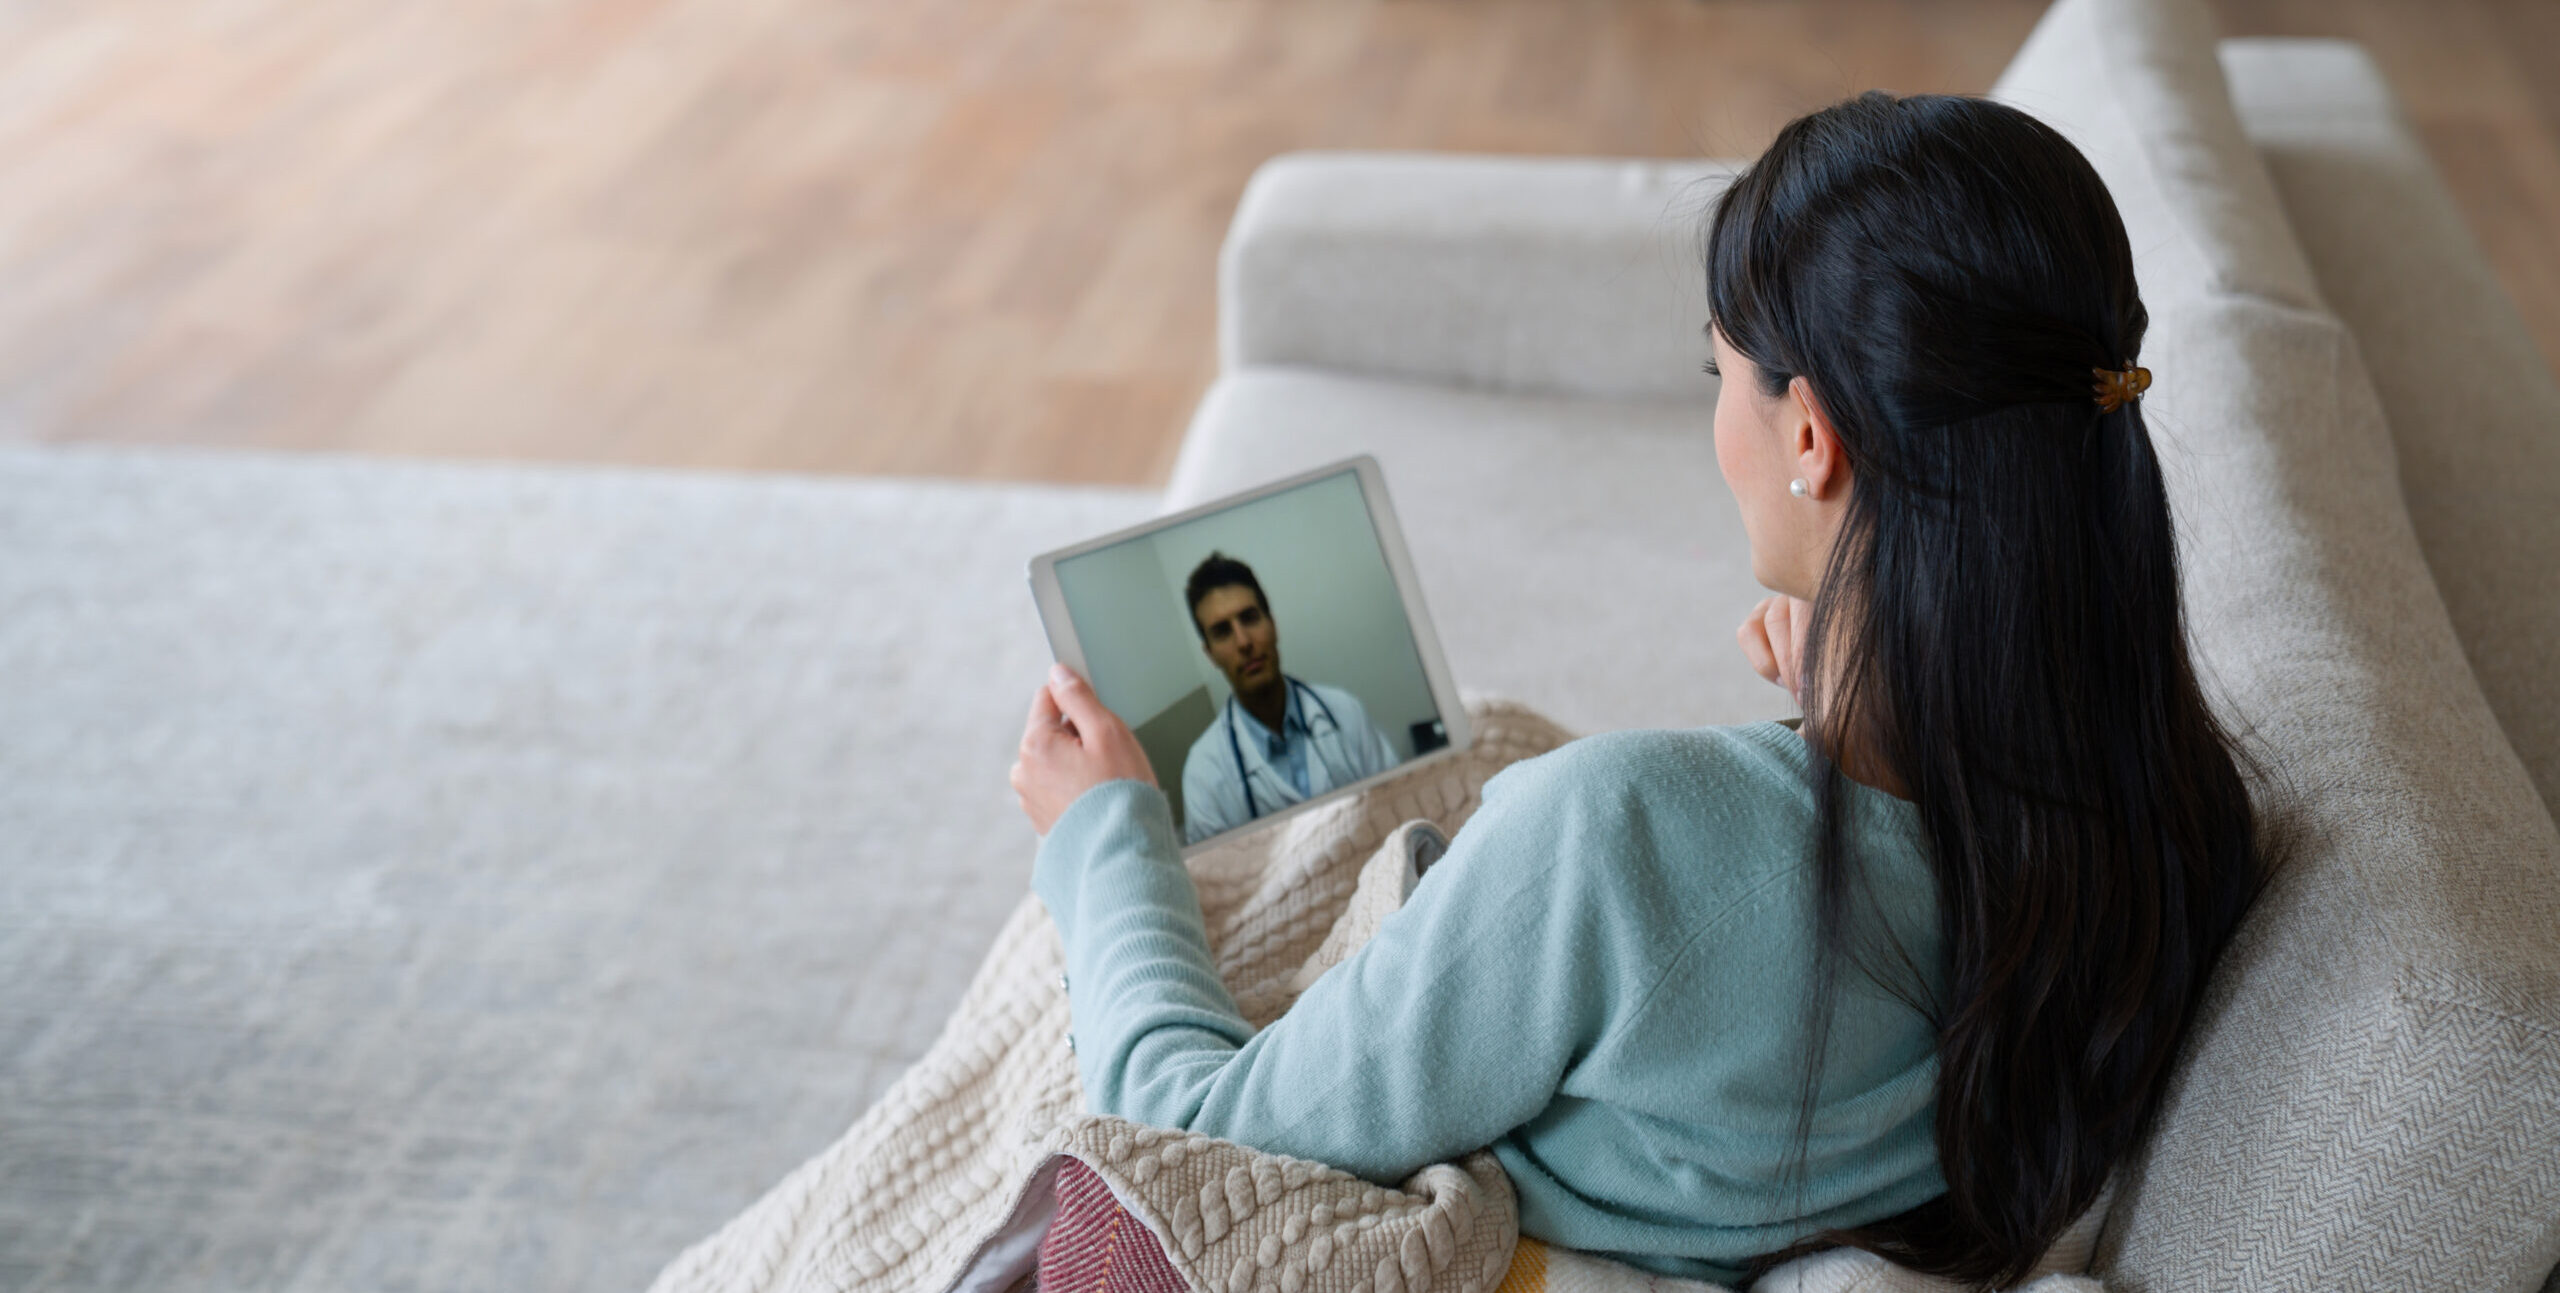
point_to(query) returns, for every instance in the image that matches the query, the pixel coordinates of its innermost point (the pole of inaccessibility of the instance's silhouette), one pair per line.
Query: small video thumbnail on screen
(1261, 653)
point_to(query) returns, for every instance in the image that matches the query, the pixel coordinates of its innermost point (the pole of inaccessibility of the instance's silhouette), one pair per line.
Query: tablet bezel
(1069, 650)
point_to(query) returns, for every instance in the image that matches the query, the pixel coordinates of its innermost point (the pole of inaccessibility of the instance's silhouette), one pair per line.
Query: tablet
(1270, 649)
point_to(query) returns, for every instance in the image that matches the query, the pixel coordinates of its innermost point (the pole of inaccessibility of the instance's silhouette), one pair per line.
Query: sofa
(2364, 449)
(451, 876)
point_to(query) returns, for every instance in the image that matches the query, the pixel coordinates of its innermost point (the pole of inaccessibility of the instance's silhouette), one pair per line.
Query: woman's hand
(1773, 636)
(1070, 745)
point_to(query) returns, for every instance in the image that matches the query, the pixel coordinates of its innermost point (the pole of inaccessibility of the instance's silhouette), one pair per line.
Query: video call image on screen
(1260, 653)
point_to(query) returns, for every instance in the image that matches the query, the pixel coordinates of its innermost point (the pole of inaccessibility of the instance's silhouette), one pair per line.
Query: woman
(1911, 979)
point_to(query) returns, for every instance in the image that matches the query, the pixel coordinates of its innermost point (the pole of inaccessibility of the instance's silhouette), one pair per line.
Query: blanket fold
(946, 1185)
(931, 1191)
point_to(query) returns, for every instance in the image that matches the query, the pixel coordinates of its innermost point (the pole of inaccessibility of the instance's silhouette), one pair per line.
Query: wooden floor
(944, 237)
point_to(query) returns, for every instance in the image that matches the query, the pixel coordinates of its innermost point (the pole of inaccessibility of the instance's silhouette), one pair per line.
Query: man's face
(1241, 639)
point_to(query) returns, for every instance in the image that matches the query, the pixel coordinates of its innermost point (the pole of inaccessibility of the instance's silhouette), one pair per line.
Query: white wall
(1139, 649)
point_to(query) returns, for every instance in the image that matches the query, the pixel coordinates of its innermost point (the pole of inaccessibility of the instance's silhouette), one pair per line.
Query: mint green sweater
(1604, 980)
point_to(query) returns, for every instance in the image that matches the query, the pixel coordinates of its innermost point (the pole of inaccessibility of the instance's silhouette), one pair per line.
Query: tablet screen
(1261, 651)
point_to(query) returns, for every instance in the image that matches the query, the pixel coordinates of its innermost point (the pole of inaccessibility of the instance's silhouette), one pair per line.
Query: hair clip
(2115, 388)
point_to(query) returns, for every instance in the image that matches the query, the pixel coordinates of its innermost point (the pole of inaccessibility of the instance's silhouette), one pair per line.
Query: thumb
(1076, 699)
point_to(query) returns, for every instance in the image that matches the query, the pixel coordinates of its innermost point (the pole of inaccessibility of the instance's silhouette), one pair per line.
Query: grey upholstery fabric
(397, 862)
(1552, 276)
(2474, 412)
(2372, 1096)
(2153, 104)
(1581, 555)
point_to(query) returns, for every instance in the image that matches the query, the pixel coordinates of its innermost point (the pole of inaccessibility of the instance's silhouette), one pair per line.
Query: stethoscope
(1244, 775)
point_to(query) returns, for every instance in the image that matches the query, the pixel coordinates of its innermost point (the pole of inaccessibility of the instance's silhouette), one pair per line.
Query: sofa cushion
(2474, 412)
(2370, 1096)
(1581, 555)
(1545, 276)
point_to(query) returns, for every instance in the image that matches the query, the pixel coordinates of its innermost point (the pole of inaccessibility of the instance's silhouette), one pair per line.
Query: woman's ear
(1820, 461)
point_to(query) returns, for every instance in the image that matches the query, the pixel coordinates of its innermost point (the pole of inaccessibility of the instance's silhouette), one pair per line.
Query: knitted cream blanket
(945, 1185)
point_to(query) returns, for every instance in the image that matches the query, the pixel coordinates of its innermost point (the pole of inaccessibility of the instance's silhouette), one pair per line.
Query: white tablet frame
(1069, 650)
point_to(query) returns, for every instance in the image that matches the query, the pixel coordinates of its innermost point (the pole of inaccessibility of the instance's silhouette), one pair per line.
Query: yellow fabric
(1528, 1273)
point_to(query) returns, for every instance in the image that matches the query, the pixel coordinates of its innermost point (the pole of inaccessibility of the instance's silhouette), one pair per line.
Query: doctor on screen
(1278, 740)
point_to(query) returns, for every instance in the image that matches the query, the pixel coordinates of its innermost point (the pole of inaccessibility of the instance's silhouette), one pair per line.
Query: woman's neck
(1269, 706)
(1875, 774)
(1860, 760)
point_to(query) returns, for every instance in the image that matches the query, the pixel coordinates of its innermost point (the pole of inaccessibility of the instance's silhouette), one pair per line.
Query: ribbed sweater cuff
(1114, 845)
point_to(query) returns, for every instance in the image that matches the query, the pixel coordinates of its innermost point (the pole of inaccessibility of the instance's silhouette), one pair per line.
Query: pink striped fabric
(1095, 1246)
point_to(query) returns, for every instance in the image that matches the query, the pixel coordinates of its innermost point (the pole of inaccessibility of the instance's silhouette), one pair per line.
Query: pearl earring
(1798, 488)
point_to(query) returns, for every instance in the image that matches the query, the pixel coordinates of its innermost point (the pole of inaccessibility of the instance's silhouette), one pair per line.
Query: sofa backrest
(2371, 1097)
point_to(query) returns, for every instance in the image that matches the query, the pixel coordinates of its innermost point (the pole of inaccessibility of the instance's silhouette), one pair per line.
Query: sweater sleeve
(1456, 1023)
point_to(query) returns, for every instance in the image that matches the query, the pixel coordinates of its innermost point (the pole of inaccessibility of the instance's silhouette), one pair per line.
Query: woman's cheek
(1733, 449)
(1717, 430)
(1735, 428)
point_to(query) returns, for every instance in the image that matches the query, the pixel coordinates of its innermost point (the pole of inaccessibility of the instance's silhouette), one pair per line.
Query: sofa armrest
(1558, 277)
(2474, 410)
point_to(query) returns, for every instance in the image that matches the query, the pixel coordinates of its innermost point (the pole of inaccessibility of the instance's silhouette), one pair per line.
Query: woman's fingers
(1783, 639)
(1044, 719)
(1071, 743)
(1765, 638)
(1082, 708)
(1772, 637)
(1755, 647)
(1789, 620)
(1112, 750)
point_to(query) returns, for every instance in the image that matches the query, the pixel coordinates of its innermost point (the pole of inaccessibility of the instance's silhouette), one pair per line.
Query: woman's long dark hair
(2000, 625)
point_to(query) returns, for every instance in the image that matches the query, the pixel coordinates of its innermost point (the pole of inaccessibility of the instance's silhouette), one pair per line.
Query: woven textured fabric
(941, 1177)
(1235, 1220)
(2370, 1098)
(1095, 1246)
(2475, 414)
